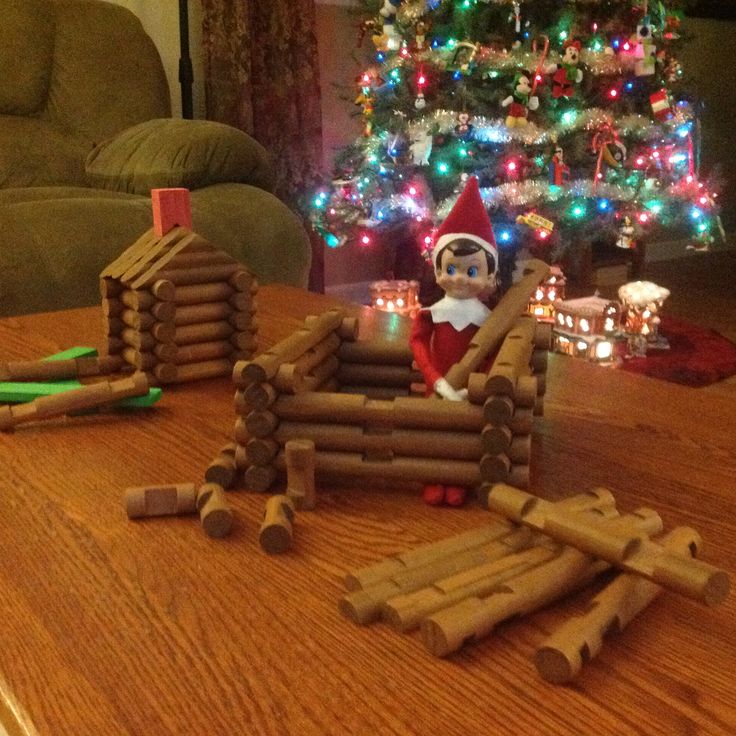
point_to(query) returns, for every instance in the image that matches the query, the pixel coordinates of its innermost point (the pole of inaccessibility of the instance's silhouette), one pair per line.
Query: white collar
(459, 312)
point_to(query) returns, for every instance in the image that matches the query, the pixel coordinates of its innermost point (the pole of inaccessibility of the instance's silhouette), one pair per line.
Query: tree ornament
(421, 147)
(420, 103)
(646, 50)
(559, 171)
(463, 129)
(410, 12)
(626, 235)
(520, 101)
(566, 74)
(662, 105)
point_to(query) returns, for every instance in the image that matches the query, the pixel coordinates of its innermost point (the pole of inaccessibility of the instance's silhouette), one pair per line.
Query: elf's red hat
(468, 219)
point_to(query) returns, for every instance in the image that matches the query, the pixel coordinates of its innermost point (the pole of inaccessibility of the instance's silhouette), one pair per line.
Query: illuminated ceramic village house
(542, 302)
(397, 296)
(587, 327)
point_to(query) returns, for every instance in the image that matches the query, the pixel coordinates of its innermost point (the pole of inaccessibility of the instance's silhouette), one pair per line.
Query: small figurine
(626, 235)
(516, 17)
(465, 257)
(559, 171)
(365, 101)
(646, 51)
(420, 45)
(566, 74)
(390, 39)
(421, 147)
(520, 100)
(463, 129)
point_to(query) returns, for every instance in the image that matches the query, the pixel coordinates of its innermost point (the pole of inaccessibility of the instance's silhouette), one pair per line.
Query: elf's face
(464, 277)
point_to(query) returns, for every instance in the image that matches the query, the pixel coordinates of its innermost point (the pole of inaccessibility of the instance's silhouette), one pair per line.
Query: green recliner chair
(85, 134)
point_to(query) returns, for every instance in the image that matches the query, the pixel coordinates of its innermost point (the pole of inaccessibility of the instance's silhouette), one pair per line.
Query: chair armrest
(178, 153)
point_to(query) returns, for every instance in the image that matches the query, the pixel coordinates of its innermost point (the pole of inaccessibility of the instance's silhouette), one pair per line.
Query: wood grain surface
(120, 627)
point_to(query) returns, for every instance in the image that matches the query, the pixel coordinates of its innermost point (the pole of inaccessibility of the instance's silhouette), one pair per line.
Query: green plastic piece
(73, 353)
(20, 392)
(139, 402)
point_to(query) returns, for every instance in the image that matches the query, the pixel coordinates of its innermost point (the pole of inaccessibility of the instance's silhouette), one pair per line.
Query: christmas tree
(573, 115)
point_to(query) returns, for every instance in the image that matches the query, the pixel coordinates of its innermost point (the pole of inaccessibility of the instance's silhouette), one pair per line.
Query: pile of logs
(457, 590)
(177, 308)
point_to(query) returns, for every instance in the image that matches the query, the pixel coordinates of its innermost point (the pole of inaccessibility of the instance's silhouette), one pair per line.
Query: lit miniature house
(586, 327)
(399, 297)
(551, 290)
(642, 301)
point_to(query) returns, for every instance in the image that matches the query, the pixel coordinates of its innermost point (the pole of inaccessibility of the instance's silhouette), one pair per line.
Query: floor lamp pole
(186, 75)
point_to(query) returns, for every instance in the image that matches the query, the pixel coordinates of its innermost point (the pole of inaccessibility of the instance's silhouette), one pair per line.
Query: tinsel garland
(487, 130)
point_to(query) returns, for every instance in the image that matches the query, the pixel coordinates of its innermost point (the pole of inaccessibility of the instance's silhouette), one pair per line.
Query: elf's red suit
(441, 334)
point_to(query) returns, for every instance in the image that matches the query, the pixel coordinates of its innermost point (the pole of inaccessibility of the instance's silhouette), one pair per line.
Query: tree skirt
(698, 356)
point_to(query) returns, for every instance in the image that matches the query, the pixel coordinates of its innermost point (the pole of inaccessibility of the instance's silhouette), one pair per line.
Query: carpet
(698, 356)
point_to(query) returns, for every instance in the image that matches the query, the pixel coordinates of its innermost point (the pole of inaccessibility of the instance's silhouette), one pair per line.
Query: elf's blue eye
(451, 270)
(473, 271)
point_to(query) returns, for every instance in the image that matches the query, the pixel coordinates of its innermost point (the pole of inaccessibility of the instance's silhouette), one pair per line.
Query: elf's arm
(420, 341)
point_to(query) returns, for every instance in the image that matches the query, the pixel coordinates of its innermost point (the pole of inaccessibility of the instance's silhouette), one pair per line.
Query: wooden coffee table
(149, 627)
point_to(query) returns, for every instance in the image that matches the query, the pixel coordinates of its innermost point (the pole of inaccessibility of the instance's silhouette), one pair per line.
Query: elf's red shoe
(455, 496)
(433, 495)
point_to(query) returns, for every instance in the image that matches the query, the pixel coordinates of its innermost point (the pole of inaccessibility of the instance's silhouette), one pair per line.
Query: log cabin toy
(357, 400)
(586, 327)
(174, 305)
(458, 589)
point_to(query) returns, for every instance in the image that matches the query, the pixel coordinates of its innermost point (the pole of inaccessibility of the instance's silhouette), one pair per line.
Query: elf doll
(466, 262)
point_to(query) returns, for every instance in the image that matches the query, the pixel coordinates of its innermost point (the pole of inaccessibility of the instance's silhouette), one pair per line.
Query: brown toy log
(333, 465)
(53, 370)
(495, 328)
(407, 442)
(202, 293)
(202, 332)
(378, 375)
(166, 352)
(163, 311)
(243, 281)
(512, 360)
(290, 377)
(190, 276)
(543, 337)
(561, 656)
(527, 389)
(87, 397)
(259, 478)
(276, 531)
(496, 438)
(265, 366)
(197, 259)
(406, 612)
(300, 455)
(383, 393)
(201, 351)
(257, 396)
(112, 307)
(162, 500)
(215, 513)
(376, 352)
(261, 423)
(244, 341)
(223, 469)
(626, 549)
(197, 313)
(143, 361)
(475, 617)
(429, 413)
(140, 300)
(196, 371)
(165, 373)
(261, 451)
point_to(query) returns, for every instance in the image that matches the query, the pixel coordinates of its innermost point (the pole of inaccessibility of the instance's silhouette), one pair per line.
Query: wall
(161, 21)
(710, 62)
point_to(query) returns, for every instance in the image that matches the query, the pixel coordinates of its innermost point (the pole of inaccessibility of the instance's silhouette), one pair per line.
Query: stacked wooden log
(178, 308)
(303, 365)
(457, 590)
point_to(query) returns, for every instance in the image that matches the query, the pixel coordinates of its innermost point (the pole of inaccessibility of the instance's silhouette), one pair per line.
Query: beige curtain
(261, 75)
